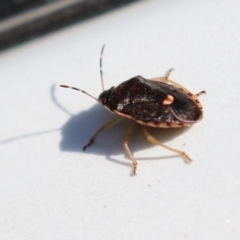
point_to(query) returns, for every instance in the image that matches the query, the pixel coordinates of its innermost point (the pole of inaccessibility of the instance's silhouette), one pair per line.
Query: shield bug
(156, 102)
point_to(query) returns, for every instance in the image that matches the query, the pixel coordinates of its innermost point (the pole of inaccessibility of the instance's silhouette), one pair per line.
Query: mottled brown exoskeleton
(156, 102)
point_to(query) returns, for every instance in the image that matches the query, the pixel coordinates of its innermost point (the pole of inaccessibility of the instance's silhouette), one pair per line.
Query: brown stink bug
(156, 102)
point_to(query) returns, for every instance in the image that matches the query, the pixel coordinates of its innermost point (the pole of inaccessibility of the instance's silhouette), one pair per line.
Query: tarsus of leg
(168, 73)
(200, 93)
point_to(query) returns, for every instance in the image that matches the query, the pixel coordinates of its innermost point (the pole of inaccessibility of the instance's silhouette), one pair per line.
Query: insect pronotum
(156, 102)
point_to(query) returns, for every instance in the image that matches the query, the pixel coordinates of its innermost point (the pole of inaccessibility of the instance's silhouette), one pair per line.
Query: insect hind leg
(151, 139)
(200, 93)
(104, 127)
(168, 73)
(125, 145)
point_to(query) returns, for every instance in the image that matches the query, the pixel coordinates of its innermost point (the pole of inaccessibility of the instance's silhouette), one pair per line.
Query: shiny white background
(51, 189)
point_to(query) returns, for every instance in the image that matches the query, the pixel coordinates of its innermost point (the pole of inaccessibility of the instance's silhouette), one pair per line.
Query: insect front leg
(151, 139)
(125, 144)
(104, 127)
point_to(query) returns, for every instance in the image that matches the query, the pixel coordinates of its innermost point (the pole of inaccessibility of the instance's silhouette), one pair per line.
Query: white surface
(50, 189)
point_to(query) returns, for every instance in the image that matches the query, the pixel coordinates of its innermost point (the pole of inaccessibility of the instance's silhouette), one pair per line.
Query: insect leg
(151, 139)
(200, 93)
(104, 127)
(168, 73)
(125, 144)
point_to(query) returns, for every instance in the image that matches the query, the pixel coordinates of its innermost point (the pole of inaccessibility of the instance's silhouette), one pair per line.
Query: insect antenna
(74, 88)
(101, 72)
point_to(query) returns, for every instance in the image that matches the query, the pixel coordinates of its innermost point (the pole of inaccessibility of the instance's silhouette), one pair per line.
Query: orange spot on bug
(168, 100)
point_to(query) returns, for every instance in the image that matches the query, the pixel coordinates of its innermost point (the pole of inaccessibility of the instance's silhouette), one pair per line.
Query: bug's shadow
(79, 128)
